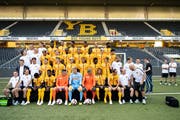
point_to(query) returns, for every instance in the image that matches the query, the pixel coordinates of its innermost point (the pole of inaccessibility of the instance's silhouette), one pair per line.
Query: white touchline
(175, 93)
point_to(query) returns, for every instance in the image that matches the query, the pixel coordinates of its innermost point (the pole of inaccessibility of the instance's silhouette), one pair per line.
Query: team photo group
(61, 68)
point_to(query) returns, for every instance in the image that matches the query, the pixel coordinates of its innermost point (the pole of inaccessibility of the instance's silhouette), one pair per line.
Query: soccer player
(75, 82)
(148, 71)
(126, 66)
(44, 56)
(25, 57)
(117, 64)
(85, 48)
(53, 58)
(125, 83)
(42, 47)
(100, 82)
(139, 82)
(62, 48)
(58, 67)
(172, 72)
(11, 87)
(138, 64)
(34, 67)
(96, 50)
(39, 85)
(61, 86)
(89, 84)
(106, 67)
(70, 65)
(113, 83)
(164, 74)
(77, 56)
(25, 86)
(21, 68)
(49, 84)
(36, 55)
(72, 49)
(44, 68)
(30, 50)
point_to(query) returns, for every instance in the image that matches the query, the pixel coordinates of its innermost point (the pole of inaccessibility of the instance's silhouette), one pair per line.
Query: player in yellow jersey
(100, 82)
(51, 49)
(113, 83)
(106, 67)
(58, 67)
(92, 56)
(105, 55)
(96, 49)
(39, 86)
(107, 49)
(71, 65)
(77, 56)
(83, 66)
(62, 48)
(72, 49)
(85, 48)
(44, 56)
(53, 58)
(113, 55)
(49, 84)
(95, 65)
(43, 69)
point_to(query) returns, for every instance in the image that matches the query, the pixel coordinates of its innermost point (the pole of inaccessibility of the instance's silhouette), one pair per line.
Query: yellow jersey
(96, 51)
(69, 67)
(44, 69)
(100, 80)
(106, 69)
(113, 79)
(61, 50)
(43, 57)
(73, 50)
(92, 56)
(84, 50)
(58, 69)
(38, 81)
(50, 81)
(107, 50)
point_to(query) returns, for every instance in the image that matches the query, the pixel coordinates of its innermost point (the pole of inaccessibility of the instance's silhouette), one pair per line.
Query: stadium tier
(32, 28)
(95, 28)
(131, 28)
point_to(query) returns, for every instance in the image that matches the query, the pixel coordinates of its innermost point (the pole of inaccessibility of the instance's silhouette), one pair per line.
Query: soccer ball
(59, 101)
(89, 101)
(74, 102)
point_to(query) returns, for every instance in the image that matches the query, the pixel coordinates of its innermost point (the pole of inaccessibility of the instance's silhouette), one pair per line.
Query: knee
(119, 89)
(80, 89)
(106, 89)
(70, 88)
(97, 89)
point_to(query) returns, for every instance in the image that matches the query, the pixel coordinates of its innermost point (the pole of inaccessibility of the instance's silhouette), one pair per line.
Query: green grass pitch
(155, 109)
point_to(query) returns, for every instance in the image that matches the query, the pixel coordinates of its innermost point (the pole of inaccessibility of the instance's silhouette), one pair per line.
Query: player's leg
(136, 87)
(66, 95)
(119, 94)
(97, 93)
(110, 95)
(106, 90)
(122, 95)
(70, 93)
(93, 94)
(24, 96)
(42, 96)
(16, 95)
(143, 93)
(85, 92)
(80, 94)
(54, 91)
(170, 78)
(39, 96)
(28, 95)
(131, 95)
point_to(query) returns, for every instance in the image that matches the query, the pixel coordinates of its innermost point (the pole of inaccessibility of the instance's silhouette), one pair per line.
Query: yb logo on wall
(84, 29)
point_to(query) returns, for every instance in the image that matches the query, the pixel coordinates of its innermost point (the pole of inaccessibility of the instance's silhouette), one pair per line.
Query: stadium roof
(93, 2)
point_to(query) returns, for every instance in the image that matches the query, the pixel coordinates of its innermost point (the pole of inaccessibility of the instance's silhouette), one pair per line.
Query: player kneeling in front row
(75, 82)
(13, 82)
(89, 85)
(25, 86)
(113, 83)
(125, 83)
(61, 86)
(139, 82)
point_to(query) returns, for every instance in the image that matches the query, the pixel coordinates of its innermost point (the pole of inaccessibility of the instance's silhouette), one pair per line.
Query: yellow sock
(97, 93)
(106, 93)
(42, 94)
(119, 95)
(109, 94)
(39, 94)
(50, 95)
(28, 94)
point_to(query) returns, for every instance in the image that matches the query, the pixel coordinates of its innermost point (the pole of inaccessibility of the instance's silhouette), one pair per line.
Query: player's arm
(143, 78)
(70, 80)
(118, 83)
(16, 86)
(109, 83)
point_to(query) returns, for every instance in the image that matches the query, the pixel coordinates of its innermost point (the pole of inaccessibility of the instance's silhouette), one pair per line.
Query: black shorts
(172, 74)
(139, 87)
(10, 89)
(164, 75)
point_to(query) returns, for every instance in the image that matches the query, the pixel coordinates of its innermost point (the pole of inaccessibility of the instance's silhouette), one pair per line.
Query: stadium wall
(89, 13)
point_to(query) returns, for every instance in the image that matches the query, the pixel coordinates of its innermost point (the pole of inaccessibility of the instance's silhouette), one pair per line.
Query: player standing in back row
(172, 72)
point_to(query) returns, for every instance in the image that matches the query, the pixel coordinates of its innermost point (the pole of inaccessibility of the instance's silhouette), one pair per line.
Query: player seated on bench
(11, 87)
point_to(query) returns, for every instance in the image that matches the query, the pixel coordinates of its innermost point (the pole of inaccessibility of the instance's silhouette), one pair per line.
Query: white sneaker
(169, 84)
(27, 102)
(123, 101)
(53, 103)
(49, 103)
(85, 101)
(110, 102)
(93, 102)
(23, 102)
(143, 101)
(131, 101)
(41, 102)
(16, 103)
(137, 101)
(176, 84)
(120, 102)
(38, 102)
(66, 102)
